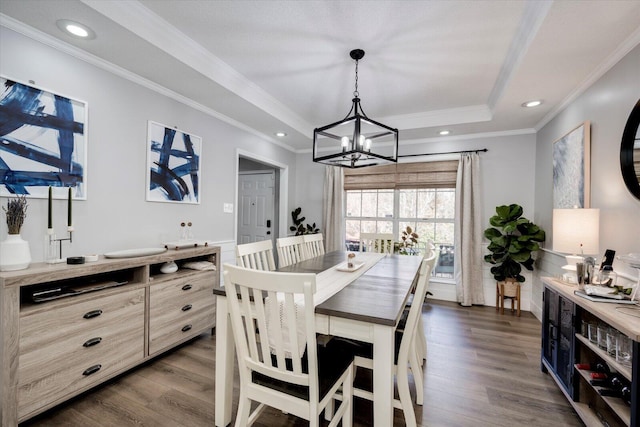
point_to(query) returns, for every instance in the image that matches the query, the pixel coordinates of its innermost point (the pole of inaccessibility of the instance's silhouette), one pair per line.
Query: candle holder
(53, 246)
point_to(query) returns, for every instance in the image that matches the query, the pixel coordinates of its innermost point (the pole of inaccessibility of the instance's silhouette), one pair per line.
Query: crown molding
(620, 52)
(450, 116)
(82, 55)
(467, 137)
(143, 22)
(534, 14)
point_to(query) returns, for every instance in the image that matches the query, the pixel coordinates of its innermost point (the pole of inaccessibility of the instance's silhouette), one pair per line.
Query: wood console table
(53, 350)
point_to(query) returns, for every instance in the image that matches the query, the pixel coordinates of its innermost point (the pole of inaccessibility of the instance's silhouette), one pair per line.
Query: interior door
(255, 206)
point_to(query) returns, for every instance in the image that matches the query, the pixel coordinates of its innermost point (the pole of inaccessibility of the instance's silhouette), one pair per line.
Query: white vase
(14, 253)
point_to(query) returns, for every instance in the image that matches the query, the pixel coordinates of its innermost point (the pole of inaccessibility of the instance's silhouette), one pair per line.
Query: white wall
(115, 215)
(606, 104)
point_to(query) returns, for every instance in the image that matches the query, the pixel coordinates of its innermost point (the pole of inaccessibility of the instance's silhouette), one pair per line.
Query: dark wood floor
(483, 369)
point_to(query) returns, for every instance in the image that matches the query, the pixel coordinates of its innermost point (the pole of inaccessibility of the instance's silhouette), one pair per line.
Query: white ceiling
(270, 66)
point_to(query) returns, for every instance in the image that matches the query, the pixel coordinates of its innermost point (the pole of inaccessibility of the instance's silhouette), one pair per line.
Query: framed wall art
(43, 142)
(572, 169)
(173, 165)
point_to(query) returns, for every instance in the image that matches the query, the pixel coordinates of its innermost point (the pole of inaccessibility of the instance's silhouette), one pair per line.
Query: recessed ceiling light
(281, 134)
(444, 132)
(76, 29)
(530, 104)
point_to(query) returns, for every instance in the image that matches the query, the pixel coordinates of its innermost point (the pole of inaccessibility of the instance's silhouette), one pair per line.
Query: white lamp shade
(576, 231)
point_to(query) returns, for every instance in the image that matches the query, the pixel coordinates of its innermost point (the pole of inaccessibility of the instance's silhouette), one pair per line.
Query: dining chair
(290, 250)
(281, 365)
(314, 244)
(421, 338)
(257, 256)
(381, 243)
(406, 355)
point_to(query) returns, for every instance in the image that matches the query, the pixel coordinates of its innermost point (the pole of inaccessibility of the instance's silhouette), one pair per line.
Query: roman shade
(440, 174)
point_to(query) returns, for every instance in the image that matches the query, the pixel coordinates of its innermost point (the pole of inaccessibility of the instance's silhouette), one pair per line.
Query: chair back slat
(291, 250)
(256, 256)
(314, 244)
(281, 325)
(381, 243)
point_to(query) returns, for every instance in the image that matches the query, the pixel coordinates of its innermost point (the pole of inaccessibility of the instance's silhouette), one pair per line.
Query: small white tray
(344, 266)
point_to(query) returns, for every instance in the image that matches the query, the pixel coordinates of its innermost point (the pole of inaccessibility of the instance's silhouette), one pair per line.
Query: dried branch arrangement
(16, 212)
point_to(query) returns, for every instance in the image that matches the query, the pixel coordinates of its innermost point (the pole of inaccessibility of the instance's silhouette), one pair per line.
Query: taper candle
(49, 211)
(69, 222)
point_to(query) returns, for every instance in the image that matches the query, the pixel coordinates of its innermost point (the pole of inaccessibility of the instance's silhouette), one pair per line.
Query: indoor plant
(14, 252)
(513, 239)
(299, 226)
(408, 240)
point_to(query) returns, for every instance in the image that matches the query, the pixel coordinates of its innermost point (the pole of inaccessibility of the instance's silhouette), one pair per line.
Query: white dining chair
(314, 244)
(405, 347)
(257, 256)
(381, 243)
(281, 365)
(421, 338)
(290, 250)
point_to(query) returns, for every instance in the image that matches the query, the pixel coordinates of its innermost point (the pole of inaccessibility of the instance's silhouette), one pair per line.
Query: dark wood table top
(378, 296)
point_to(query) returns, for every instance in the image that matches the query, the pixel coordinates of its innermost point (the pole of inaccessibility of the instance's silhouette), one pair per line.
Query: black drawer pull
(187, 287)
(91, 314)
(91, 370)
(185, 328)
(93, 341)
(187, 307)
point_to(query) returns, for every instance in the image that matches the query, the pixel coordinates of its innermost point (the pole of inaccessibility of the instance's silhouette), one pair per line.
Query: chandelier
(355, 141)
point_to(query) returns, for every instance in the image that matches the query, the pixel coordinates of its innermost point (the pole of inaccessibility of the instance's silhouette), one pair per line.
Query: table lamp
(576, 232)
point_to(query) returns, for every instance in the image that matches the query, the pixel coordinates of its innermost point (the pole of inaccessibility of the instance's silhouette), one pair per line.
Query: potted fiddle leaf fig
(513, 240)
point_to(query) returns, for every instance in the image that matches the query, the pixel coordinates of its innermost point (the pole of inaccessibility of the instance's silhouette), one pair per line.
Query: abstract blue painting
(173, 159)
(571, 169)
(42, 142)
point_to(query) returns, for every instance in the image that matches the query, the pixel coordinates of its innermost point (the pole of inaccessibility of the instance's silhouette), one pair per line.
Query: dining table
(363, 303)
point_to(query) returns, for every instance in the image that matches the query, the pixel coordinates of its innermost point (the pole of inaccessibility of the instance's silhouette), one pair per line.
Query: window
(428, 207)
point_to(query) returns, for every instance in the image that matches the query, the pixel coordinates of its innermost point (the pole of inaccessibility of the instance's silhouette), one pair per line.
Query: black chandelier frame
(355, 150)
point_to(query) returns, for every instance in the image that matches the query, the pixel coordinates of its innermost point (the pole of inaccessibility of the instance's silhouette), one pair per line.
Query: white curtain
(332, 206)
(468, 232)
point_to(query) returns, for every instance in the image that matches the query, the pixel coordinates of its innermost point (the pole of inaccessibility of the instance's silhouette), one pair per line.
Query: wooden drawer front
(180, 318)
(46, 327)
(44, 379)
(178, 288)
(171, 325)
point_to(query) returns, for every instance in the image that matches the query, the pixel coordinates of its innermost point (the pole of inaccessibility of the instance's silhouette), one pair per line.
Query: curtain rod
(483, 150)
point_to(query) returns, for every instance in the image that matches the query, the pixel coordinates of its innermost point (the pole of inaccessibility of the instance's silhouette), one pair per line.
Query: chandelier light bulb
(367, 144)
(345, 141)
(361, 140)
